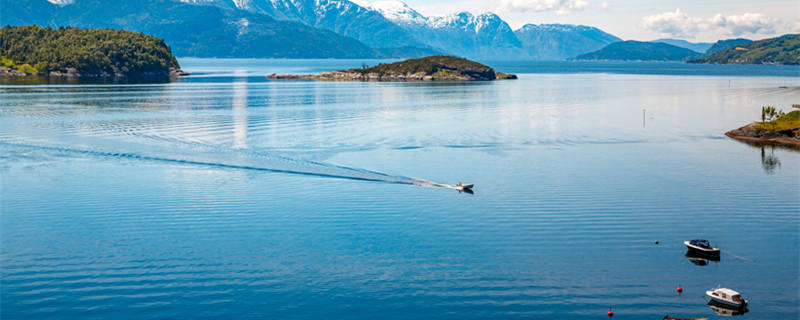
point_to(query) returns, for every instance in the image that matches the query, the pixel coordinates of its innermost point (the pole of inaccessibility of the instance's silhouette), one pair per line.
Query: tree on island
(770, 114)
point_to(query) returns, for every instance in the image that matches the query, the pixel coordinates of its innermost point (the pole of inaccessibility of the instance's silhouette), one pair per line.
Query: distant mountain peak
(397, 11)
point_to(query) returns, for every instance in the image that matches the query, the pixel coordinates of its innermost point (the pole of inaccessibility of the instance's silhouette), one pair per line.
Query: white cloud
(679, 24)
(748, 23)
(559, 6)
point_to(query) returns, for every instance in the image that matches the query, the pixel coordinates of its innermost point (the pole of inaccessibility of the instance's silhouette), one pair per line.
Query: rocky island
(74, 52)
(433, 68)
(775, 128)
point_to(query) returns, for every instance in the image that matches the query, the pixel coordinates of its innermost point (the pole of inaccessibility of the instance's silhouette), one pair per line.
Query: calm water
(228, 196)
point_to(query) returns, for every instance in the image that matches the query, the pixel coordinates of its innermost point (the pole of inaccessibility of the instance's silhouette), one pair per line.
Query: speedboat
(463, 187)
(727, 297)
(701, 246)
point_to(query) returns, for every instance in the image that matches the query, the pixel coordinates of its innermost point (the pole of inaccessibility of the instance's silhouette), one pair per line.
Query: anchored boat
(701, 246)
(727, 297)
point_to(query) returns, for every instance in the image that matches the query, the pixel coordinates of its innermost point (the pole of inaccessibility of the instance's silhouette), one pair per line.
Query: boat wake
(196, 154)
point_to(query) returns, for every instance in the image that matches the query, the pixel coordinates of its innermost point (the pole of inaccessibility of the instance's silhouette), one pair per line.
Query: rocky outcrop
(753, 133)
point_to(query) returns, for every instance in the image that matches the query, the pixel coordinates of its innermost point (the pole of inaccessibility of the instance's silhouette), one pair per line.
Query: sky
(698, 20)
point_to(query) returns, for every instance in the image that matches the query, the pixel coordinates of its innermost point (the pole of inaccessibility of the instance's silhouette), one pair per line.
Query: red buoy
(680, 290)
(610, 313)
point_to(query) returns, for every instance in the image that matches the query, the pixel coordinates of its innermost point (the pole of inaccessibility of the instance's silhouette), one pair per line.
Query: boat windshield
(701, 243)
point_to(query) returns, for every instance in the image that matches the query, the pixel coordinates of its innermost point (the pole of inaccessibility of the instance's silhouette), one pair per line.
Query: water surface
(225, 195)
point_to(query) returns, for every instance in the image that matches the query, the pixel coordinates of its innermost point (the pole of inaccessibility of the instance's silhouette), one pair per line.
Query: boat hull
(713, 252)
(727, 304)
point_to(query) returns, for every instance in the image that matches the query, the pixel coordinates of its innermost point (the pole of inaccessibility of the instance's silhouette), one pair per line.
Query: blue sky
(643, 19)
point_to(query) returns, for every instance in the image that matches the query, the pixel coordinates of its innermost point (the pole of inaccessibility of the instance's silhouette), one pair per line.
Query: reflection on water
(700, 259)
(770, 162)
(725, 310)
(46, 80)
(240, 114)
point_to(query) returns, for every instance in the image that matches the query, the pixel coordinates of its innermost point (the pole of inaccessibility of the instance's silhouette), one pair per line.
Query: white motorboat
(701, 246)
(727, 297)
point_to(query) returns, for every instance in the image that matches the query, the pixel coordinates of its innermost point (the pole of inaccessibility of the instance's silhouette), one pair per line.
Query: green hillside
(639, 51)
(780, 50)
(95, 52)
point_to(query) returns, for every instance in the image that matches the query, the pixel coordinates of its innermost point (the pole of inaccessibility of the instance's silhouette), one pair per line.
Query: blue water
(225, 195)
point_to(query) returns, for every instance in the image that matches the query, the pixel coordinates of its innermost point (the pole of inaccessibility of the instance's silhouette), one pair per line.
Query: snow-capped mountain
(464, 34)
(397, 11)
(341, 16)
(562, 41)
(487, 36)
(484, 36)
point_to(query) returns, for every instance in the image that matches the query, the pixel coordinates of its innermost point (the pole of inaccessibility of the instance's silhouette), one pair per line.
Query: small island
(433, 68)
(775, 127)
(74, 52)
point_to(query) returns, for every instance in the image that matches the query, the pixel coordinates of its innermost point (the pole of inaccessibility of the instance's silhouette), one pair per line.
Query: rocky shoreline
(752, 133)
(433, 68)
(356, 76)
(73, 73)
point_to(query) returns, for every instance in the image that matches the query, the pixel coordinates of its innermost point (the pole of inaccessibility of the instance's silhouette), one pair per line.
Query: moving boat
(701, 246)
(727, 297)
(463, 187)
(667, 317)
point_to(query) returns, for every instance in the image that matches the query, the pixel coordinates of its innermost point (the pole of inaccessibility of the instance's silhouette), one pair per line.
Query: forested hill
(94, 52)
(780, 50)
(639, 51)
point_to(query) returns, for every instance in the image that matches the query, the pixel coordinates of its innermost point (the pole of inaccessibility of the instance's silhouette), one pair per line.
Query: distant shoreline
(72, 73)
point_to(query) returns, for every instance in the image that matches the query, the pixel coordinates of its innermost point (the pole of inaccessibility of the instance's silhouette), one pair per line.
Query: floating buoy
(680, 290)
(610, 313)
(656, 241)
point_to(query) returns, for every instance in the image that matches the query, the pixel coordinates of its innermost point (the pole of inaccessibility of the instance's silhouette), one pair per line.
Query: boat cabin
(728, 294)
(701, 243)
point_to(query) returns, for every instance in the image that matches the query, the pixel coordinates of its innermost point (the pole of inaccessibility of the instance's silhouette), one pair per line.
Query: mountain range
(487, 36)
(311, 28)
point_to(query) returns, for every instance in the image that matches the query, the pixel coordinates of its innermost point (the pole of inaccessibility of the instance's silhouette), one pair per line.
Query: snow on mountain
(396, 11)
(464, 34)
(61, 2)
(562, 41)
